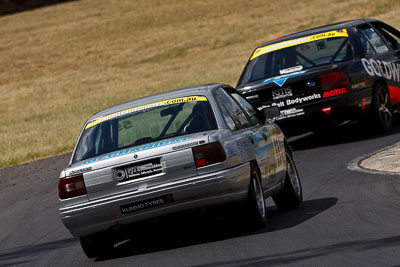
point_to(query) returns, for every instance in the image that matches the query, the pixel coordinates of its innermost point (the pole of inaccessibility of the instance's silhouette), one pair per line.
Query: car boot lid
(137, 153)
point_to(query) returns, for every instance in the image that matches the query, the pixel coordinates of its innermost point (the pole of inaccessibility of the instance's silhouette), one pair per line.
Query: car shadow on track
(296, 256)
(28, 254)
(348, 133)
(217, 224)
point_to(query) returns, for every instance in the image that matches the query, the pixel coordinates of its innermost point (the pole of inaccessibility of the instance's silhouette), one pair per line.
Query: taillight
(208, 154)
(334, 80)
(71, 187)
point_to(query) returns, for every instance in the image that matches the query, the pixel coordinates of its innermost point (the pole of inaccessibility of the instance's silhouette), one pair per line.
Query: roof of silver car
(203, 89)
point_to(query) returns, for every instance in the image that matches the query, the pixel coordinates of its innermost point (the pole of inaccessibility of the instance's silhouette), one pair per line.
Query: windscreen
(145, 124)
(295, 55)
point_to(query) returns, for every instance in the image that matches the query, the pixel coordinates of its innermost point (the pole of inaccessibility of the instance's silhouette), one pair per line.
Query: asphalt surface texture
(350, 216)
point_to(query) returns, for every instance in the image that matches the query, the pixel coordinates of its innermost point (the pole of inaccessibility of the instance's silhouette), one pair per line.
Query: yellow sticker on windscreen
(269, 48)
(143, 107)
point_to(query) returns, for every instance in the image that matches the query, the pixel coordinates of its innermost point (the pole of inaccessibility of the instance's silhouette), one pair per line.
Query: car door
(272, 137)
(379, 59)
(250, 138)
(392, 38)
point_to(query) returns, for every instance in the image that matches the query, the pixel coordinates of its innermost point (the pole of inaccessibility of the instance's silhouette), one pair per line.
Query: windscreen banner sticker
(280, 80)
(143, 107)
(136, 149)
(307, 39)
(387, 70)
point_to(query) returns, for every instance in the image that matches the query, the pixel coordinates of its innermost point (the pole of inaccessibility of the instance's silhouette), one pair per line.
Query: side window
(104, 141)
(390, 34)
(230, 121)
(233, 109)
(248, 108)
(367, 48)
(259, 69)
(373, 38)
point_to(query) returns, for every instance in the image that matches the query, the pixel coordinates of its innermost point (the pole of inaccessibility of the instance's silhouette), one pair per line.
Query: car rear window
(295, 55)
(145, 124)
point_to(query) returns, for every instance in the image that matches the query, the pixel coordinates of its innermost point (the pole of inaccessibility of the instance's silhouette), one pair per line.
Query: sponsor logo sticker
(300, 100)
(334, 92)
(292, 69)
(280, 80)
(293, 112)
(138, 170)
(184, 146)
(80, 171)
(359, 85)
(387, 70)
(281, 93)
(297, 100)
(146, 204)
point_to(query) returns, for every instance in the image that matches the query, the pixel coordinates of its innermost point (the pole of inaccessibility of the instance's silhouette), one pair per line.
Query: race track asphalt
(348, 218)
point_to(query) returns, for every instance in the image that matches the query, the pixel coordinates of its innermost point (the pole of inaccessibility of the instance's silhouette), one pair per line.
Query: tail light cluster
(334, 83)
(208, 154)
(334, 80)
(71, 187)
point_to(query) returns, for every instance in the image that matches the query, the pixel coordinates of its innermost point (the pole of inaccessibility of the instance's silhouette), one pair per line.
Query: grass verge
(60, 64)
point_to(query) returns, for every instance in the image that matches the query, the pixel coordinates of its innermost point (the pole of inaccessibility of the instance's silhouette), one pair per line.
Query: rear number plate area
(146, 204)
(140, 170)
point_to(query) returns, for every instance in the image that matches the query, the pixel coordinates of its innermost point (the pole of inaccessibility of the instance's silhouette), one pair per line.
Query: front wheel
(381, 111)
(292, 193)
(255, 204)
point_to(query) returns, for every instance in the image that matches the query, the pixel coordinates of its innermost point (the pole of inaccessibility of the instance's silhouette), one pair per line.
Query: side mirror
(271, 112)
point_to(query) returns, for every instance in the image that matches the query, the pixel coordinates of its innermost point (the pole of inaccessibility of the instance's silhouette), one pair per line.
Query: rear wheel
(95, 246)
(255, 204)
(292, 193)
(381, 109)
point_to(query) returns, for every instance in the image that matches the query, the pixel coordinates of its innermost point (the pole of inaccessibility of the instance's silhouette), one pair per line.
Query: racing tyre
(255, 204)
(95, 247)
(291, 194)
(381, 109)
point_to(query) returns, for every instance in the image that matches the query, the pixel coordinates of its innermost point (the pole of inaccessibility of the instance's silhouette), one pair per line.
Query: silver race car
(170, 152)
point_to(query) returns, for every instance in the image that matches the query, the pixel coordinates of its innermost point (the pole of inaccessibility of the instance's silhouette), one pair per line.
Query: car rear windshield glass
(291, 58)
(144, 124)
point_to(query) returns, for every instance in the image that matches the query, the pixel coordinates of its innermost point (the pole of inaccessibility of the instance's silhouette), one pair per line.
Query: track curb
(360, 164)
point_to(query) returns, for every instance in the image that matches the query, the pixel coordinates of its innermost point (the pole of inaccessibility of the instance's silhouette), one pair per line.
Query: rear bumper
(221, 187)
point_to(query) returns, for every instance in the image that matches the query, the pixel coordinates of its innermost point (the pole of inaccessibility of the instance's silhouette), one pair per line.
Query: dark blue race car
(328, 75)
